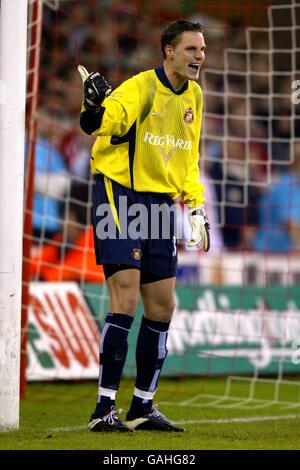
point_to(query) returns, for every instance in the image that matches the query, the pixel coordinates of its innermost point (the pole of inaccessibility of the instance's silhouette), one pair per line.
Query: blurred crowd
(250, 146)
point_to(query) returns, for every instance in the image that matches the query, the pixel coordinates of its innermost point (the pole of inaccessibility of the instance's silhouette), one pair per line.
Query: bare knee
(160, 310)
(167, 309)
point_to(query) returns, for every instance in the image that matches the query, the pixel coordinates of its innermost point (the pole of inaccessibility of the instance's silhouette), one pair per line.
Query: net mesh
(237, 311)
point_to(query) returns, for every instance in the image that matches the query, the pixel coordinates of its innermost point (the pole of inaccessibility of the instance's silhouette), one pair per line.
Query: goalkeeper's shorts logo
(136, 254)
(188, 116)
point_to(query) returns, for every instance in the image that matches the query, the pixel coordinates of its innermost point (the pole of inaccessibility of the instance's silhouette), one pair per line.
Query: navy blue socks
(151, 351)
(113, 352)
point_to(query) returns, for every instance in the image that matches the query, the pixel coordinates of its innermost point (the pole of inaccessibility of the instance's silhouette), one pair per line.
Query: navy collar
(161, 74)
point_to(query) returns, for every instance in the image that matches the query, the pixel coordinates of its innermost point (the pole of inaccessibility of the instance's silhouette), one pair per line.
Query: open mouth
(194, 66)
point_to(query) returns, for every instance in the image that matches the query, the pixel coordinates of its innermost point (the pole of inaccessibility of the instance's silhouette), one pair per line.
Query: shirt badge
(188, 116)
(136, 254)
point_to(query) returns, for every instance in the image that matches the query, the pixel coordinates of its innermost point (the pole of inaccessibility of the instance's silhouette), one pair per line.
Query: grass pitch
(55, 415)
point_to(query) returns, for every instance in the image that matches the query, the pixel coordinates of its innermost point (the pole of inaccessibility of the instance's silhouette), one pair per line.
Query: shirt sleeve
(117, 113)
(193, 189)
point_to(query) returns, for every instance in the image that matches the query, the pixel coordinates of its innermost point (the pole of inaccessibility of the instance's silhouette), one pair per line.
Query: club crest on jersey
(188, 116)
(136, 254)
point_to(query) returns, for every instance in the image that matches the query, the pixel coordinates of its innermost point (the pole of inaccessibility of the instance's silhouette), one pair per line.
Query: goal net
(237, 318)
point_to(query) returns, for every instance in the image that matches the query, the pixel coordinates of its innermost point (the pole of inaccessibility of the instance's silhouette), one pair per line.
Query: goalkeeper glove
(200, 229)
(96, 88)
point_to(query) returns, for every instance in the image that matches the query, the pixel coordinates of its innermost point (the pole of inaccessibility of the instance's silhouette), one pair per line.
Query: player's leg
(151, 351)
(151, 348)
(123, 286)
(123, 278)
(158, 297)
(158, 274)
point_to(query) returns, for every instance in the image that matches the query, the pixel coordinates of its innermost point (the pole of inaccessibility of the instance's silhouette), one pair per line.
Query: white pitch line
(69, 428)
(242, 419)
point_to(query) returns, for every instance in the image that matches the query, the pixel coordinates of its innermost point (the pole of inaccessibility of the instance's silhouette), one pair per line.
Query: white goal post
(13, 32)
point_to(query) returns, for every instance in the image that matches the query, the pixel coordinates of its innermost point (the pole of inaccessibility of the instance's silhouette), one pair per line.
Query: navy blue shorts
(139, 231)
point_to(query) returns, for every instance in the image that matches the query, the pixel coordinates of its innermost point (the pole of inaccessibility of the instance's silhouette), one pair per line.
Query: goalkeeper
(146, 154)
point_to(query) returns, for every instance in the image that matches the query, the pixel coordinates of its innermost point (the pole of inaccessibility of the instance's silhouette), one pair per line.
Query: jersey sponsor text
(167, 140)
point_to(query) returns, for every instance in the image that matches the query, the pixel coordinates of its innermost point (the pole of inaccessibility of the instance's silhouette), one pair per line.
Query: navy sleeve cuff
(90, 121)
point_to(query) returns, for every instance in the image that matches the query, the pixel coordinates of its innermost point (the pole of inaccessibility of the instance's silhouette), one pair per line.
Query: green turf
(54, 416)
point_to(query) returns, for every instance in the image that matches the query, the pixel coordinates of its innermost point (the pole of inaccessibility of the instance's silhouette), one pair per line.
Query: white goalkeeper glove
(96, 88)
(83, 73)
(200, 229)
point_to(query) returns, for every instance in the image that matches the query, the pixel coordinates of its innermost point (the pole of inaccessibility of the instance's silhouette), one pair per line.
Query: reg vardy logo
(169, 141)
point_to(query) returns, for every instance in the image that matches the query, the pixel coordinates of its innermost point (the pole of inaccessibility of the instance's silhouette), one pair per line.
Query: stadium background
(237, 323)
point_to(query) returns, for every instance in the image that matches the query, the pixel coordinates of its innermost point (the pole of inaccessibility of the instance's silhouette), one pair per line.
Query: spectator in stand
(70, 255)
(231, 176)
(76, 154)
(279, 222)
(51, 180)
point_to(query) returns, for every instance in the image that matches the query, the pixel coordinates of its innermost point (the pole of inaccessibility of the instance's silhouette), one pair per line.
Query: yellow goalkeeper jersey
(148, 137)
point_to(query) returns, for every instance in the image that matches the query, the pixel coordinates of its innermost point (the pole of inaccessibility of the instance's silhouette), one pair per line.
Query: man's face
(188, 55)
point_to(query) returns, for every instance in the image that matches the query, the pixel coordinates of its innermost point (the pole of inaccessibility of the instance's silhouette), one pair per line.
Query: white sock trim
(107, 392)
(145, 395)
(117, 326)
